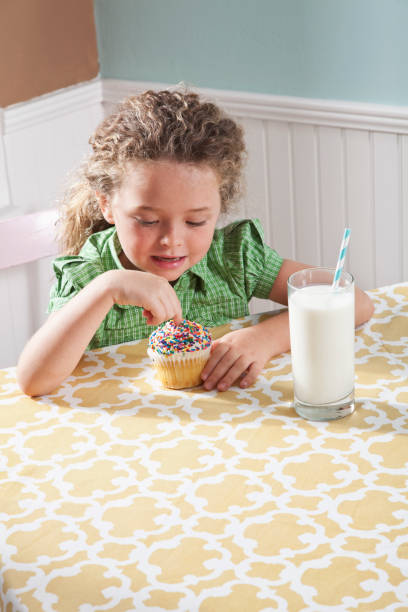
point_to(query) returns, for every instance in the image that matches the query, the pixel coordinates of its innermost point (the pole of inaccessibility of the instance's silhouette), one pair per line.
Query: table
(118, 495)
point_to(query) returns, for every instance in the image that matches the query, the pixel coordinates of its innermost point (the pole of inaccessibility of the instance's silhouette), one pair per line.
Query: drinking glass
(321, 323)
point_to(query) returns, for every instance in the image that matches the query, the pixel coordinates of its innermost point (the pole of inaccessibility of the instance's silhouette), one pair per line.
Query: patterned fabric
(237, 267)
(117, 495)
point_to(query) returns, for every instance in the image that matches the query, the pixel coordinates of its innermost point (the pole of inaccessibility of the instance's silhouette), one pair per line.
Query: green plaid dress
(237, 267)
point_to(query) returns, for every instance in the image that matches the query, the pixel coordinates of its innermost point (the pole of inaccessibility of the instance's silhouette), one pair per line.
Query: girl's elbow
(35, 388)
(31, 381)
(27, 382)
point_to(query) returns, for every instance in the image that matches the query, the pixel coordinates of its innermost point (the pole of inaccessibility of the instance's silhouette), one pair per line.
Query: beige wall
(45, 45)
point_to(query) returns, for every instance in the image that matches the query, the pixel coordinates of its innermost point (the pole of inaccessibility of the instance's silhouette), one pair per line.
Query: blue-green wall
(338, 49)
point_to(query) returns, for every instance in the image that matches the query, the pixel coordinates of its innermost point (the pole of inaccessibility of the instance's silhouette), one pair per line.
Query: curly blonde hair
(173, 125)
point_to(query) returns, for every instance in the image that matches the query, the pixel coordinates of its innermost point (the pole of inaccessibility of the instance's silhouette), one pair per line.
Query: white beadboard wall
(313, 168)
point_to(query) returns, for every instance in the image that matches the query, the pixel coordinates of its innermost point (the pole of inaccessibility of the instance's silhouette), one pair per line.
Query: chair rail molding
(332, 113)
(63, 102)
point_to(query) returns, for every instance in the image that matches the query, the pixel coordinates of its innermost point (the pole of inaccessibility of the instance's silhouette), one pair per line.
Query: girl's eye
(143, 222)
(196, 223)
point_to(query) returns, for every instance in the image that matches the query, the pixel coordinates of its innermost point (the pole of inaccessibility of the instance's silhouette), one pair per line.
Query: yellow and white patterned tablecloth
(118, 495)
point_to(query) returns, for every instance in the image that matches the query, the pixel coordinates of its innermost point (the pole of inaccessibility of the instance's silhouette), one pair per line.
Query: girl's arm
(279, 293)
(244, 352)
(55, 349)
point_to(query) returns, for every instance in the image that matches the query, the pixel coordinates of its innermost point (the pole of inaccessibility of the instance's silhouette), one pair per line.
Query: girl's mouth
(168, 262)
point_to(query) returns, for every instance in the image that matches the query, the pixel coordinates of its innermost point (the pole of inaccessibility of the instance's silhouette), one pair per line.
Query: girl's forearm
(276, 329)
(55, 349)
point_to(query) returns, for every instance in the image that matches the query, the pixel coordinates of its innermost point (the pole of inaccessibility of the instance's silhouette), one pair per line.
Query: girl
(141, 245)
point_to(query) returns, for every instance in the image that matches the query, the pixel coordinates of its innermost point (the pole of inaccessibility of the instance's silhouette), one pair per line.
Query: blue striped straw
(342, 256)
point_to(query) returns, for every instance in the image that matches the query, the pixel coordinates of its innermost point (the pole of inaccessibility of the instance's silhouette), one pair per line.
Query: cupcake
(179, 353)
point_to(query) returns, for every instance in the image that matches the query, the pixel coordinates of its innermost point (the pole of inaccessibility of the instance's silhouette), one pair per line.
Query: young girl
(141, 245)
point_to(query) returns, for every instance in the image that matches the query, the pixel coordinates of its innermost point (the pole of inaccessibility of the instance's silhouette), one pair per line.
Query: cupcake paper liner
(180, 370)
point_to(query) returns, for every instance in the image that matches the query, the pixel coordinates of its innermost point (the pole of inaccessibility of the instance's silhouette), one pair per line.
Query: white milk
(322, 343)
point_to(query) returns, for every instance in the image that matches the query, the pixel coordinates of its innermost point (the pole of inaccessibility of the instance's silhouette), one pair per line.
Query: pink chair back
(27, 238)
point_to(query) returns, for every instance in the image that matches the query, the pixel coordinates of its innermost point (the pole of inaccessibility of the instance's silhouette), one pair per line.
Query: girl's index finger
(178, 317)
(178, 313)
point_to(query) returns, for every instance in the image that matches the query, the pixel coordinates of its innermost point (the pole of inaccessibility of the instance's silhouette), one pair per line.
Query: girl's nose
(171, 238)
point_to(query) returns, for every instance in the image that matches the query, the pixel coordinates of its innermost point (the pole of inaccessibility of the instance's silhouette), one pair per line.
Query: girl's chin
(171, 276)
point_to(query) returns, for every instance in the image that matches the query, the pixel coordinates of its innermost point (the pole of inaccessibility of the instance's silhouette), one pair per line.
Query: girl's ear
(105, 207)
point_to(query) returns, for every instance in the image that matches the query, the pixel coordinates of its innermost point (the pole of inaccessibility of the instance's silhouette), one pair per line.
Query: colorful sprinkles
(188, 336)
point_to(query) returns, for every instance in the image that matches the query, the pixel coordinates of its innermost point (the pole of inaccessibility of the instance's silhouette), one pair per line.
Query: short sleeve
(72, 274)
(249, 259)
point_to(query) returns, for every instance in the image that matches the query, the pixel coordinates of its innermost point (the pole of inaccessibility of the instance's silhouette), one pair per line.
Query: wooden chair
(27, 238)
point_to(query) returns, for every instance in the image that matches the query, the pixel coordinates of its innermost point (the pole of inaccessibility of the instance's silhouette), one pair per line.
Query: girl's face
(165, 214)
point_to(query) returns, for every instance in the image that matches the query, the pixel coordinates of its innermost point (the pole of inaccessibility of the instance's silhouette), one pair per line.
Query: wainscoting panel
(314, 167)
(280, 188)
(331, 192)
(359, 197)
(46, 139)
(306, 194)
(256, 197)
(387, 208)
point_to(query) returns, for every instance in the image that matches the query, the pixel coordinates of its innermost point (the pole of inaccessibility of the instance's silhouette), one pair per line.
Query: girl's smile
(168, 263)
(165, 214)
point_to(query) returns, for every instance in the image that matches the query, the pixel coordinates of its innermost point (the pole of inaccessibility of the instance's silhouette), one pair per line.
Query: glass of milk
(321, 322)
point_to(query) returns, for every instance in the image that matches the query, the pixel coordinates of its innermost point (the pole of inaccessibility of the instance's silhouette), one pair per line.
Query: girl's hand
(241, 353)
(153, 293)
